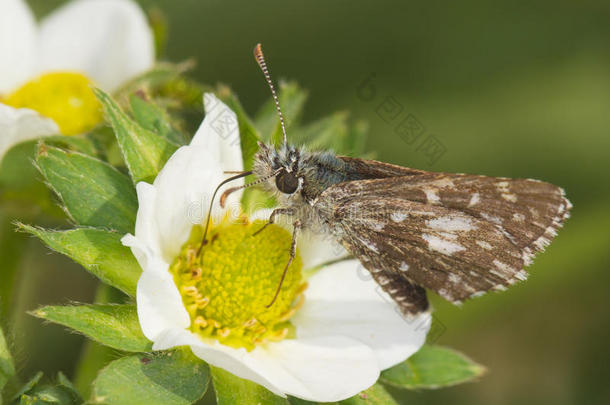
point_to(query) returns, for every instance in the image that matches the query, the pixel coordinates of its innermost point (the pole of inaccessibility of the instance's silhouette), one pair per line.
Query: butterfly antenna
(260, 59)
(223, 196)
(204, 241)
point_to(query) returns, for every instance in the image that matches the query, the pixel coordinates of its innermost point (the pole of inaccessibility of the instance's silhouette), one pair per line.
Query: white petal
(228, 358)
(219, 134)
(22, 124)
(159, 303)
(147, 243)
(109, 40)
(18, 44)
(314, 248)
(344, 300)
(317, 248)
(318, 369)
(183, 191)
(321, 369)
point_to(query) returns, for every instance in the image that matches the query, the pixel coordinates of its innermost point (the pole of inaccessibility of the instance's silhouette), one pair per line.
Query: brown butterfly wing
(458, 235)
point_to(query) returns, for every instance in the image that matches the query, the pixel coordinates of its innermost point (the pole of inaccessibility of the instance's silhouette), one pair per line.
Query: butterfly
(458, 235)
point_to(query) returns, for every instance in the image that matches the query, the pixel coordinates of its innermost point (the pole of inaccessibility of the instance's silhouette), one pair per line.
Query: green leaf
(112, 325)
(20, 185)
(166, 378)
(98, 250)
(160, 75)
(93, 192)
(248, 134)
(144, 151)
(376, 395)
(292, 100)
(93, 356)
(7, 366)
(433, 367)
(154, 118)
(327, 133)
(234, 390)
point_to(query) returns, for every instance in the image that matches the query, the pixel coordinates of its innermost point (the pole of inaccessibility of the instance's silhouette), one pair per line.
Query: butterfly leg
(293, 251)
(274, 213)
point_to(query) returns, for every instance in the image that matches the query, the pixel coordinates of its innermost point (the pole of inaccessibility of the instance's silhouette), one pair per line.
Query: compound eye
(286, 182)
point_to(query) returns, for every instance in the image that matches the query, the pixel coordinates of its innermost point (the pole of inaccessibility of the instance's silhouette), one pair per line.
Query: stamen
(226, 287)
(65, 97)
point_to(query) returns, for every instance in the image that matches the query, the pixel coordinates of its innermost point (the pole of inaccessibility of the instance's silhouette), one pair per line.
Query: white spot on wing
(491, 218)
(369, 245)
(378, 226)
(403, 266)
(432, 196)
(450, 224)
(442, 245)
(454, 278)
(503, 266)
(521, 275)
(509, 197)
(484, 244)
(398, 216)
(503, 187)
(445, 294)
(518, 217)
(383, 280)
(474, 200)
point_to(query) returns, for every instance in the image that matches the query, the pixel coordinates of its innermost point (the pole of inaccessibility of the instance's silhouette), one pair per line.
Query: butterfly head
(281, 166)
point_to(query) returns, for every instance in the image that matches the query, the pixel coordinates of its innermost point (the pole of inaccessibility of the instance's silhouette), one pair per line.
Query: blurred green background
(509, 88)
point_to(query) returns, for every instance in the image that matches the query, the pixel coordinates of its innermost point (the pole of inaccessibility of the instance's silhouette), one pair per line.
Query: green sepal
(164, 378)
(112, 325)
(48, 395)
(68, 386)
(433, 367)
(154, 118)
(32, 382)
(375, 395)
(93, 193)
(34, 393)
(20, 183)
(231, 390)
(154, 79)
(97, 250)
(144, 151)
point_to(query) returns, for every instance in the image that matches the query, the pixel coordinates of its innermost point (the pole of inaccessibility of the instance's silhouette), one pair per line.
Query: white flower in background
(47, 68)
(324, 339)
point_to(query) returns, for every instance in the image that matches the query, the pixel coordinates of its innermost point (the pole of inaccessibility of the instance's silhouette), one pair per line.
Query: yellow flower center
(227, 287)
(65, 97)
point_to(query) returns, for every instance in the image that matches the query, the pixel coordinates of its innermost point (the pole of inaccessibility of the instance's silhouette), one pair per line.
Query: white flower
(346, 331)
(104, 42)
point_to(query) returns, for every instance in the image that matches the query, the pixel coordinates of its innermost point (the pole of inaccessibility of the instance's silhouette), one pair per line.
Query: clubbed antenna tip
(260, 59)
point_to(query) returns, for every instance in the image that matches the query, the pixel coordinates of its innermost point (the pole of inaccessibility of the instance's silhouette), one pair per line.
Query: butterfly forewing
(455, 234)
